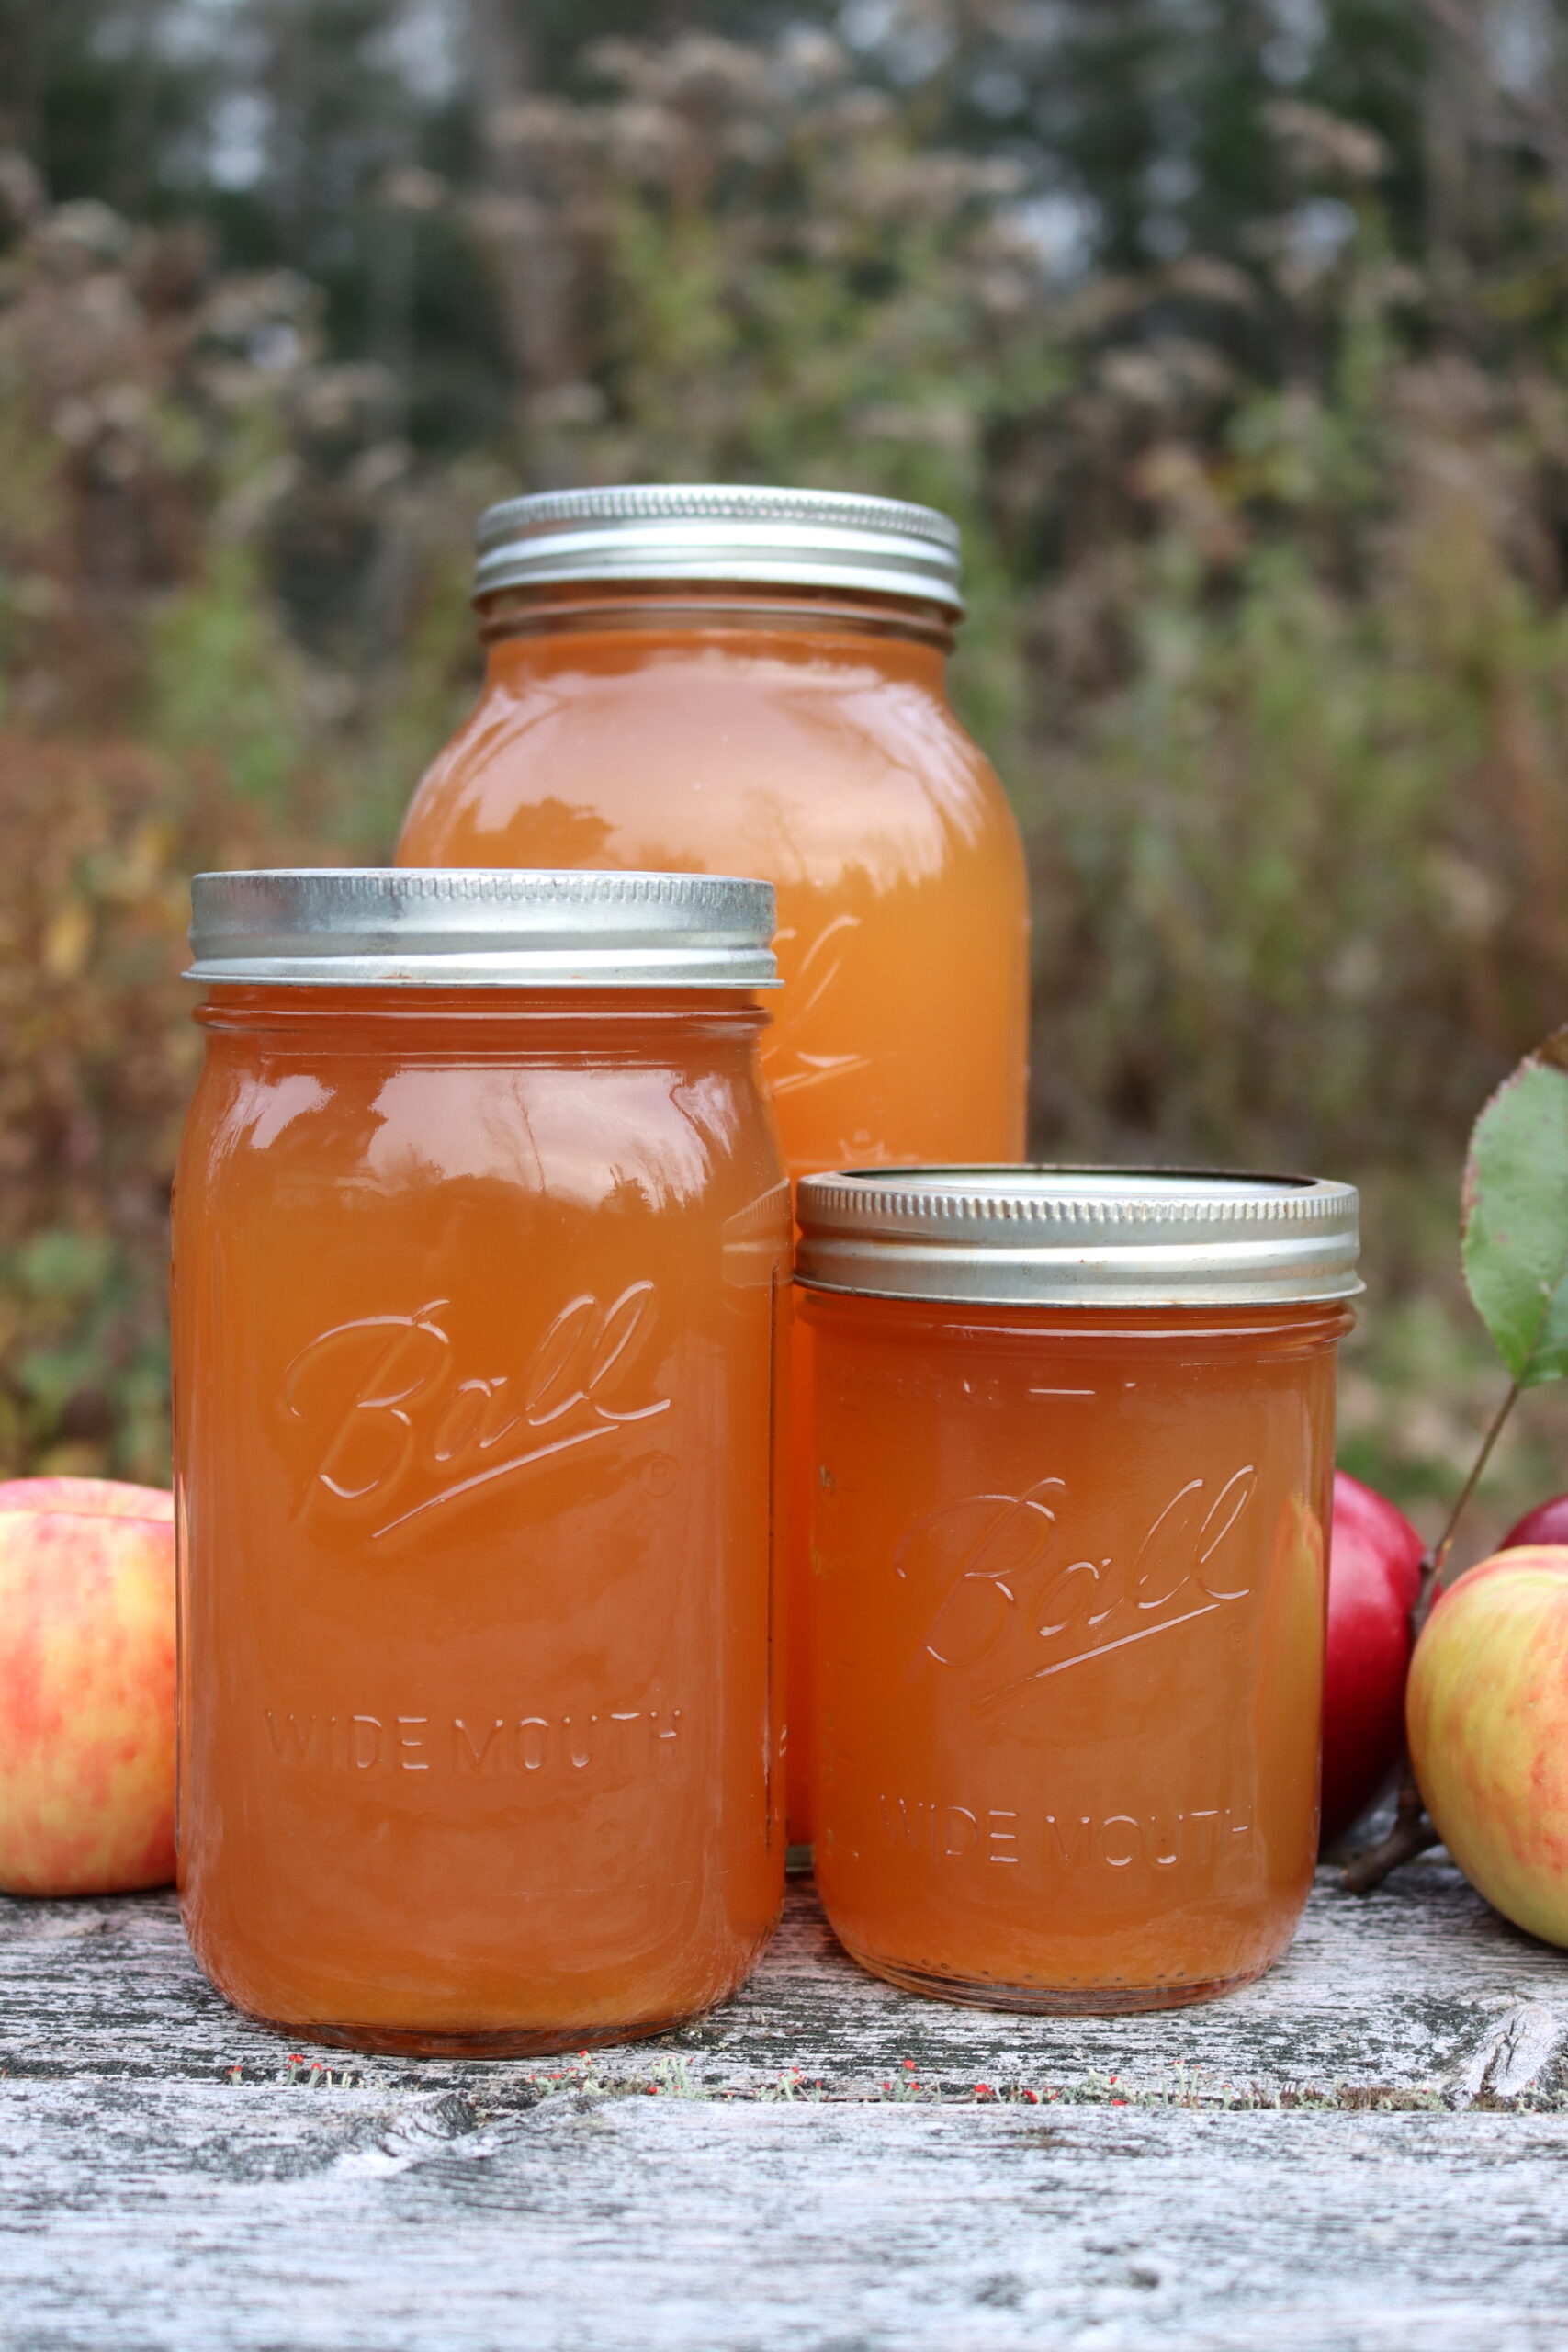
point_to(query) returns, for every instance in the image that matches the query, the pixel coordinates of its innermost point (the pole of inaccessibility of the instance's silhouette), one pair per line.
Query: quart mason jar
(1074, 1444)
(755, 680)
(480, 1281)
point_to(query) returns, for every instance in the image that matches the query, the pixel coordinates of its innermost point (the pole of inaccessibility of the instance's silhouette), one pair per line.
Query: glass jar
(481, 1268)
(1074, 1445)
(755, 680)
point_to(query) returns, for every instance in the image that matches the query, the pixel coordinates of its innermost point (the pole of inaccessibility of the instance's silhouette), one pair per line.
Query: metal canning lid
(470, 927)
(809, 539)
(1079, 1236)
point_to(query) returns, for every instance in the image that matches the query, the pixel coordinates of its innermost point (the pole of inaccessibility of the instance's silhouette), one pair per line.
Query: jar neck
(464, 1021)
(1306, 1323)
(901, 634)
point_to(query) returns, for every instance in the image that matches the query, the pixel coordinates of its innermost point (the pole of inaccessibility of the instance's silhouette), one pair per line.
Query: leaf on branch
(1514, 1241)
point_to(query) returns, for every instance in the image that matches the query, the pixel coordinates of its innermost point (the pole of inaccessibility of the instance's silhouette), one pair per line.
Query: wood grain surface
(1368, 2149)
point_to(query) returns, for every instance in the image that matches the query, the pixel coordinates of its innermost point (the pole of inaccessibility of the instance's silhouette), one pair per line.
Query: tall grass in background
(1268, 636)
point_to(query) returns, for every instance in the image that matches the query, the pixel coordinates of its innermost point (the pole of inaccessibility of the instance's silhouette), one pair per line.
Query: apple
(1375, 1570)
(87, 1686)
(1548, 1523)
(1487, 1716)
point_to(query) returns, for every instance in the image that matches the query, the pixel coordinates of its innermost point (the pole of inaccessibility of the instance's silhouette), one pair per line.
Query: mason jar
(481, 1285)
(755, 680)
(1073, 1447)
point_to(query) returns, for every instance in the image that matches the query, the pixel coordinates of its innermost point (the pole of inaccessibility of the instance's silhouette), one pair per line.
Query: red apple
(1487, 1716)
(1374, 1570)
(1548, 1523)
(87, 1686)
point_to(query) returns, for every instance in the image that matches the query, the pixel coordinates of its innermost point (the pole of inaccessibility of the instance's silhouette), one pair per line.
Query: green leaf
(1514, 1241)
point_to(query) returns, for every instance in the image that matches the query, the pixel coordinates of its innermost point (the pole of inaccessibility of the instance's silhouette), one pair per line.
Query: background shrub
(1231, 332)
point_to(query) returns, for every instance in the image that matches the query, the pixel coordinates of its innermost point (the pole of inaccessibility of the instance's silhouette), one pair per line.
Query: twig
(1437, 1559)
(1411, 1834)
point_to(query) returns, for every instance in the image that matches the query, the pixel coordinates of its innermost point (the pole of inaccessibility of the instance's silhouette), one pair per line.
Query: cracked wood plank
(216, 2218)
(168, 2183)
(1419, 1991)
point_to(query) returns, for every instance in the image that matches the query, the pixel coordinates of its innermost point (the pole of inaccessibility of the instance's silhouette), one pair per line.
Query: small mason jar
(480, 1279)
(1073, 1446)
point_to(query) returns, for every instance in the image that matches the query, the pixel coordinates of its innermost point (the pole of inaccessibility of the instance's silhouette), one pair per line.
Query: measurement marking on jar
(920, 1385)
(407, 1415)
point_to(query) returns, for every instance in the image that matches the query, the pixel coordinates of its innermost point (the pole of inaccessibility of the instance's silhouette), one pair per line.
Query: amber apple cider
(804, 735)
(479, 1334)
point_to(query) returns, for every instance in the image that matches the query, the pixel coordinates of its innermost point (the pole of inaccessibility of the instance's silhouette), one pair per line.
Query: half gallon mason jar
(481, 1254)
(1073, 1446)
(754, 681)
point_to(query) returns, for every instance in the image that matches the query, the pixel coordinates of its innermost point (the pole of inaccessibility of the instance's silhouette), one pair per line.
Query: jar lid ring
(1080, 1236)
(721, 532)
(481, 927)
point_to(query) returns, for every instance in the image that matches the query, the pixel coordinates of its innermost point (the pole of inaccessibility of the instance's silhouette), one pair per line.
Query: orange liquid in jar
(1069, 1623)
(806, 739)
(478, 1317)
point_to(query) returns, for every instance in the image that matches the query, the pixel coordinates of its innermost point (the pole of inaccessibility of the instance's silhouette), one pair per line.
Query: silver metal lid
(466, 927)
(1079, 1236)
(809, 538)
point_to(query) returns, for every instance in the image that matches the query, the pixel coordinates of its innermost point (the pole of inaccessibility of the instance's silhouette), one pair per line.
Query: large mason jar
(481, 1289)
(754, 681)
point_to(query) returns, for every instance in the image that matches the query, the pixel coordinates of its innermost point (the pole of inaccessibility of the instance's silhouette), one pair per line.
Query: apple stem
(1437, 1559)
(1413, 1833)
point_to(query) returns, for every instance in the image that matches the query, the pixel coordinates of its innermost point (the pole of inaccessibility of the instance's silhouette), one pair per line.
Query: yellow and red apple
(86, 1687)
(1486, 1711)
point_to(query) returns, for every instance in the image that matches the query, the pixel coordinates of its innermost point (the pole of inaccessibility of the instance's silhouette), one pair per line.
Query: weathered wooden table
(1368, 2149)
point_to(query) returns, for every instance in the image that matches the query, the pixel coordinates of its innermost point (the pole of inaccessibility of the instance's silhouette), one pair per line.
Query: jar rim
(1038, 1236)
(476, 927)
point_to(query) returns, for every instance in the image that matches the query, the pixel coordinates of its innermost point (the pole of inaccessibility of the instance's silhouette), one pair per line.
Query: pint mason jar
(1073, 1454)
(481, 1285)
(755, 680)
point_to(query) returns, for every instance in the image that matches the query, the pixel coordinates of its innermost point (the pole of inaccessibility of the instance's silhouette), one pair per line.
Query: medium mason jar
(481, 1267)
(1073, 1453)
(755, 680)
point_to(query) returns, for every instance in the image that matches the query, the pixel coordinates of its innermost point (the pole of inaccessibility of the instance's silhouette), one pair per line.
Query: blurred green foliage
(1240, 362)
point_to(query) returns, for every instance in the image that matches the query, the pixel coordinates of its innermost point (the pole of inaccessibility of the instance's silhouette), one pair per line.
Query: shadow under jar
(480, 1279)
(1074, 1440)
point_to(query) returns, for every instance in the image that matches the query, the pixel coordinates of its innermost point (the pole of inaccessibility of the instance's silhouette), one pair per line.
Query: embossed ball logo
(404, 1431)
(1012, 1602)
